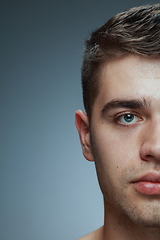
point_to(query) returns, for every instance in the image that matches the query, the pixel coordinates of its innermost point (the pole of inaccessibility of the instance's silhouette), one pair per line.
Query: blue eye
(128, 118)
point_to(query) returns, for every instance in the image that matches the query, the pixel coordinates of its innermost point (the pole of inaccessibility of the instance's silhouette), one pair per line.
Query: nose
(150, 149)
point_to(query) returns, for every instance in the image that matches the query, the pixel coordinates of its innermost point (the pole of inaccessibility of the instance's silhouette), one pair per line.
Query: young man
(120, 131)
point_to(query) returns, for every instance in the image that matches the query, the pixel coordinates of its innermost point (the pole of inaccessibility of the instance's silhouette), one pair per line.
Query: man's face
(125, 138)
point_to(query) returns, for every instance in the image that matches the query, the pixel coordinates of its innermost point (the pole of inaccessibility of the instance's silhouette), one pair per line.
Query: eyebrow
(133, 104)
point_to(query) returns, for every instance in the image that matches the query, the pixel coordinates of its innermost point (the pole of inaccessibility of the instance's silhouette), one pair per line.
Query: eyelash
(133, 121)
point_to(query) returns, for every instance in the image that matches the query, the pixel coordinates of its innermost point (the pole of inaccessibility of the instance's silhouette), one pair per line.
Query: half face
(125, 139)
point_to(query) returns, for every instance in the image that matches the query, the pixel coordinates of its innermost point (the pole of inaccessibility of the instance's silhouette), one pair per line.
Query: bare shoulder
(96, 235)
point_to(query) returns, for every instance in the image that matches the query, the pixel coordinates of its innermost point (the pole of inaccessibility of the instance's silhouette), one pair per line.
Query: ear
(82, 124)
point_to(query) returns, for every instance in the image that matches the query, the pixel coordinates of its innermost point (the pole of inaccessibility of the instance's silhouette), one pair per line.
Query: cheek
(116, 149)
(115, 152)
(107, 161)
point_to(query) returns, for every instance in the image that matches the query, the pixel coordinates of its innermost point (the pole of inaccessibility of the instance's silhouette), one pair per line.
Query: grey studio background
(47, 189)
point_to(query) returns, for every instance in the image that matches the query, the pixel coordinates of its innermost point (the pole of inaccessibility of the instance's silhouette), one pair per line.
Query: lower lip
(148, 188)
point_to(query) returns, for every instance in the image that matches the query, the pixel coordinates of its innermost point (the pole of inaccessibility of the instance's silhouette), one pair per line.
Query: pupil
(128, 118)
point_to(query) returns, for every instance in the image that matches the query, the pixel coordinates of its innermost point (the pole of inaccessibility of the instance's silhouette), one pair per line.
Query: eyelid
(117, 116)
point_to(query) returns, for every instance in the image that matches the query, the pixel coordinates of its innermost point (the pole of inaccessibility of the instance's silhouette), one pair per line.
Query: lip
(148, 184)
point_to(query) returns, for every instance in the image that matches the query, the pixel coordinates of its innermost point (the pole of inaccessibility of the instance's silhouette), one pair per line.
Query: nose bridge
(151, 145)
(154, 132)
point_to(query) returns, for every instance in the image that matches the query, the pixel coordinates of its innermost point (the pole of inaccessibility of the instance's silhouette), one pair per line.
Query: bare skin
(96, 235)
(124, 142)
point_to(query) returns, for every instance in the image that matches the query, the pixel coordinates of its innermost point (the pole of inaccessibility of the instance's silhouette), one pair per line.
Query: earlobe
(82, 124)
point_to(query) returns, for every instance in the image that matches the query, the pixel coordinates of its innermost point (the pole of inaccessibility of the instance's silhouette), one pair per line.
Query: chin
(145, 215)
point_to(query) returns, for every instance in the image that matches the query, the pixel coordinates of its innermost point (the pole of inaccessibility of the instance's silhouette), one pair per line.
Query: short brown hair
(134, 31)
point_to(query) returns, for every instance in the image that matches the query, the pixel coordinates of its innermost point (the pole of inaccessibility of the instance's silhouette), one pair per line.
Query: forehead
(129, 77)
